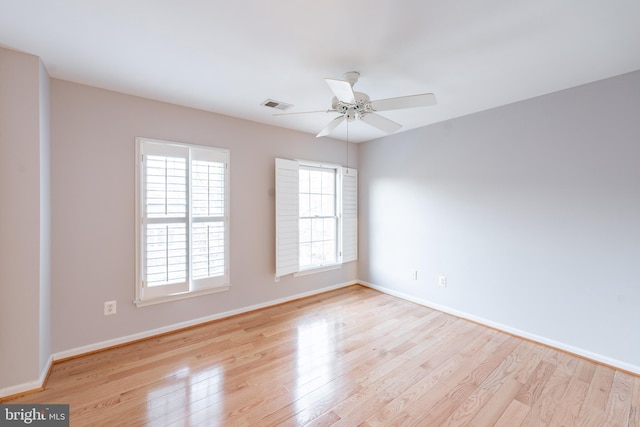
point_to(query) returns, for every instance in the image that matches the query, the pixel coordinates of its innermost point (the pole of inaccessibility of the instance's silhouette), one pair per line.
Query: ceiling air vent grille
(276, 104)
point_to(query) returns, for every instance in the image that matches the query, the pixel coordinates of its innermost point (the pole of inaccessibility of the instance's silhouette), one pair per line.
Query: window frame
(287, 216)
(147, 295)
(335, 217)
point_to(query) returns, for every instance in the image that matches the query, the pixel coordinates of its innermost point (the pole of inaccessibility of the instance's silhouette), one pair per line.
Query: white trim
(321, 165)
(180, 145)
(28, 386)
(317, 270)
(181, 295)
(513, 331)
(177, 326)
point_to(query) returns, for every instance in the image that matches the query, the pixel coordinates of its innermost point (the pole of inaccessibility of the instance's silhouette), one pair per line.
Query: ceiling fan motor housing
(351, 77)
(351, 111)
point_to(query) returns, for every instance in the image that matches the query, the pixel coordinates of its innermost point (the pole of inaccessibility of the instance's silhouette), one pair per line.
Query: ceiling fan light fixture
(351, 113)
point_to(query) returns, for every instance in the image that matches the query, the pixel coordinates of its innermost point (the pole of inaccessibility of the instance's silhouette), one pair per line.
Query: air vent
(276, 104)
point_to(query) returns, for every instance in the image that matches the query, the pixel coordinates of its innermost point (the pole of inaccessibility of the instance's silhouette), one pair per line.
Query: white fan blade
(331, 126)
(411, 101)
(382, 123)
(342, 90)
(304, 112)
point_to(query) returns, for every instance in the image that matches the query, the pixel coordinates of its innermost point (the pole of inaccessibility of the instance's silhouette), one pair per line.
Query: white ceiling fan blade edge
(379, 122)
(331, 126)
(304, 112)
(342, 90)
(400, 102)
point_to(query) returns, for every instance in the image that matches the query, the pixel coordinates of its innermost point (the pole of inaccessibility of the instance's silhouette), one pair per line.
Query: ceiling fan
(351, 105)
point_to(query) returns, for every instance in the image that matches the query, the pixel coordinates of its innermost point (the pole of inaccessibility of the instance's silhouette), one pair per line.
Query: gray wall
(25, 349)
(45, 218)
(532, 211)
(93, 133)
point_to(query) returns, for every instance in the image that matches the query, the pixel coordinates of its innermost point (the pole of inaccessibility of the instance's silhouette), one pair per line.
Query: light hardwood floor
(350, 357)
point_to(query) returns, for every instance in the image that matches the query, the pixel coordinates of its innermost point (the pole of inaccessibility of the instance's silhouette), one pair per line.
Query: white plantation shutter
(208, 249)
(287, 221)
(349, 179)
(209, 229)
(182, 243)
(164, 210)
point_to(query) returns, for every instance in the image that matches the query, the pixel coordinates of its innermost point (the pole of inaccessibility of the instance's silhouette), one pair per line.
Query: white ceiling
(229, 56)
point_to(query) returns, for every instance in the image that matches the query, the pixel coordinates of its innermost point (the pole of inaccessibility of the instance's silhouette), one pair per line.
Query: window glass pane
(305, 255)
(304, 180)
(329, 228)
(328, 182)
(166, 253)
(304, 205)
(305, 230)
(317, 252)
(207, 255)
(328, 205)
(317, 229)
(315, 182)
(329, 255)
(315, 202)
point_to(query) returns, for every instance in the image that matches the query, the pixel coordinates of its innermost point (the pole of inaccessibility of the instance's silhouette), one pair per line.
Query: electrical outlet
(442, 281)
(414, 274)
(109, 308)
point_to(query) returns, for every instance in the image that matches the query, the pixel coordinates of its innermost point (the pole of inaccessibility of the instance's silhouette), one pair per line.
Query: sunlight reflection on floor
(316, 363)
(197, 394)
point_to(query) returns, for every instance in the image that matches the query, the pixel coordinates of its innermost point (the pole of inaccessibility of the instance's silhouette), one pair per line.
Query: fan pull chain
(347, 164)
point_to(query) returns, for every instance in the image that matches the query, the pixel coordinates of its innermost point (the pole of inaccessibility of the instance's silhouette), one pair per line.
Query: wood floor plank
(532, 389)
(496, 406)
(349, 357)
(593, 408)
(513, 415)
(634, 413)
(492, 389)
(525, 369)
(439, 372)
(496, 351)
(619, 403)
(414, 359)
(543, 408)
(567, 411)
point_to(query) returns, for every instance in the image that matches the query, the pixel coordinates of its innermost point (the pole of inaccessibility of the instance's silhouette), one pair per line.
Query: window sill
(182, 295)
(317, 270)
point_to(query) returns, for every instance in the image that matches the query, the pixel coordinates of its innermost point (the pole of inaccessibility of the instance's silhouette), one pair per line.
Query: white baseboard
(177, 326)
(513, 331)
(28, 386)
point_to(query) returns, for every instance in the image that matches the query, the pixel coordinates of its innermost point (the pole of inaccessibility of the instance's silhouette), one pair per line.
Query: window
(318, 226)
(182, 210)
(316, 216)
